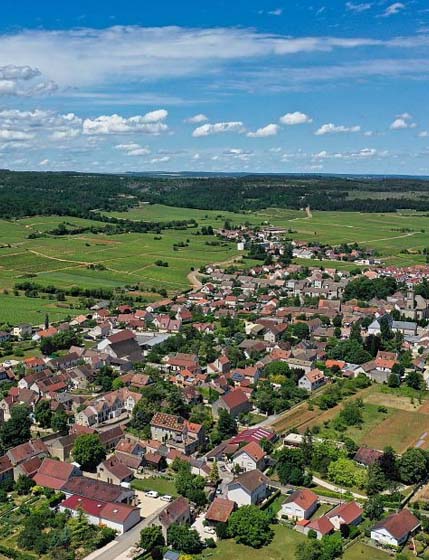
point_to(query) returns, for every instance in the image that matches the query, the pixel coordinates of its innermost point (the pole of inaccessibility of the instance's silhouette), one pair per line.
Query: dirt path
(308, 212)
(389, 238)
(193, 278)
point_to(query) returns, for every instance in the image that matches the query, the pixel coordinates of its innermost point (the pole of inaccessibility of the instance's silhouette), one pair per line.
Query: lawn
(281, 548)
(159, 484)
(360, 551)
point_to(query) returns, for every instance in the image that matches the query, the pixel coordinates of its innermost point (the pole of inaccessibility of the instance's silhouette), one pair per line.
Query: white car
(167, 498)
(151, 494)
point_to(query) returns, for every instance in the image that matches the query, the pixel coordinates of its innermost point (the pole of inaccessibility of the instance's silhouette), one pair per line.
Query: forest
(89, 195)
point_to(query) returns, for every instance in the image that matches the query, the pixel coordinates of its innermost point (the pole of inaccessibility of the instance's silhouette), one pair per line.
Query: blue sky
(257, 86)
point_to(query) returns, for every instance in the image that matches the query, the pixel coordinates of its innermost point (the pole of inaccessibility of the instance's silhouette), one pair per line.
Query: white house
(248, 488)
(395, 529)
(312, 380)
(119, 517)
(300, 505)
(250, 457)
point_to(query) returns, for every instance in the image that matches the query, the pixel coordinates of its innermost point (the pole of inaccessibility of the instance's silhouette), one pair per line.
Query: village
(179, 413)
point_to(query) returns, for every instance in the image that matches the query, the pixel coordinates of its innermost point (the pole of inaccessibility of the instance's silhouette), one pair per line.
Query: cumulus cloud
(402, 121)
(162, 159)
(219, 128)
(358, 8)
(197, 119)
(297, 117)
(393, 9)
(44, 162)
(331, 128)
(23, 81)
(269, 130)
(276, 12)
(8, 134)
(362, 154)
(150, 123)
(424, 134)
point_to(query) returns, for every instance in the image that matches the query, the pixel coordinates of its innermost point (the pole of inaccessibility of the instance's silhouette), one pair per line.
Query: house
(121, 345)
(177, 432)
(348, 513)
(107, 406)
(178, 511)
(321, 526)
(119, 517)
(219, 511)
(54, 474)
(300, 505)
(235, 402)
(248, 488)
(395, 529)
(22, 331)
(312, 380)
(250, 457)
(26, 451)
(114, 471)
(97, 490)
(366, 456)
(6, 468)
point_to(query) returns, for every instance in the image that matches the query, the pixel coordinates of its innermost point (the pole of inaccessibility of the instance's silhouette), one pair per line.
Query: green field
(159, 484)
(129, 259)
(360, 551)
(281, 548)
(15, 310)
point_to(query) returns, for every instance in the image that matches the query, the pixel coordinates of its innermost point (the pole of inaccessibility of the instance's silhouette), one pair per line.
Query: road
(337, 489)
(124, 542)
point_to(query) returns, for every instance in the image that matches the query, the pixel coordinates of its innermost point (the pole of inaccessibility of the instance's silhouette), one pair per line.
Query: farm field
(15, 310)
(129, 259)
(401, 422)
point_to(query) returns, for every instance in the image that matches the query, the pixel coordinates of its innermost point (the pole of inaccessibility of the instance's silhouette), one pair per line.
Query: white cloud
(218, 128)
(269, 130)
(163, 159)
(276, 12)
(424, 134)
(23, 81)
(362, 154)
(133, 149)
(80, 58)
(405, 120)
(358, 8)
(150, 123)
(394, 9)
(7, 134)
(197, 119)
(297, 117)
(44, 162)
(331, 128)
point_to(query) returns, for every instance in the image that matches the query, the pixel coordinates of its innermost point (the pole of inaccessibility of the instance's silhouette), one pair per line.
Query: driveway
(198, 526)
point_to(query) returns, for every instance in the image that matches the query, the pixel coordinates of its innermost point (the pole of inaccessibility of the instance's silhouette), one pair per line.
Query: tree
(376, 480)
(17, 429)
(117, 383)
(189, 485)
(310, 549)
(183, 538)
(389, 464)
(214, 473)
(374, 507)
(346, 473)
(415, 380)
(351, 414)
(412, 466)
(43, 414)
(24, 484)
(88, 451)
(226, 424)
(394, 380)
(151, 538)
(250, 525)
(59, 421)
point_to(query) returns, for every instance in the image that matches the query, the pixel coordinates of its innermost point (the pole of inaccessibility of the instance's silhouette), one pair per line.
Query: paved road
(124, 542)
(338, 489)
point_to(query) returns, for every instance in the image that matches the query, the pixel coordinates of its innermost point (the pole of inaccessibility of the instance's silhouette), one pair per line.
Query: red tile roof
(399, 524)
(254, 450)
(304, 498)
(220, 510)
(348, 512)
(118, 513)
(235, 398)
(321, 525)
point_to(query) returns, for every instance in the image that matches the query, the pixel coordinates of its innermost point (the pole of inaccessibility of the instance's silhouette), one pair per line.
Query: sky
(287, 86)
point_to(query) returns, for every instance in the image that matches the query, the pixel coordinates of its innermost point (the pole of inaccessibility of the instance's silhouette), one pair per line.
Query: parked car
(151, 494)
(167, 498)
